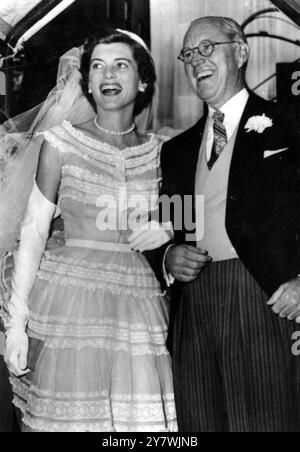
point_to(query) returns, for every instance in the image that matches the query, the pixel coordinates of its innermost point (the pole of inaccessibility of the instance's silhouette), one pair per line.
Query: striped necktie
(220, 138)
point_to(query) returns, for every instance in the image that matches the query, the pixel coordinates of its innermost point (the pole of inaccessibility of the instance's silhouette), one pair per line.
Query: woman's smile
(110, 89)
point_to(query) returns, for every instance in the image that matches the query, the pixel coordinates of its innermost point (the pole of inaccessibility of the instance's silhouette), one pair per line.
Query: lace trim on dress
(64, 148)
(58, 142)
(101, 332)
(142, 160)
(132, 270)
(106, 181)
(98, 190)
(141, 170)
(70, 191)
(87, 412)
(112, 162)
(96, 427)
(23, 385)
(122, 413)
(134, 155)
(98, 322)
(89, 193)
(93, 285)
(86, 175)
(83, 198)
(87, 187)
(38, 425)
(131, 285)
(100, 274)
(93, 143)
(103, 344)
(128, 412)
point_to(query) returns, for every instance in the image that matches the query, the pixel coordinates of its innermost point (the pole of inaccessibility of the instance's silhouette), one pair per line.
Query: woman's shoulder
(58, 130)
(66, 131)
(63, 137)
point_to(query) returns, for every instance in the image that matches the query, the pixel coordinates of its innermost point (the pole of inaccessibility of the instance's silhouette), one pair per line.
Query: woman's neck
(114, 123)
(117, 128)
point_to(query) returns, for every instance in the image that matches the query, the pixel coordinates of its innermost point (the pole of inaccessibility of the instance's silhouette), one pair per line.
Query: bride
(86, 323)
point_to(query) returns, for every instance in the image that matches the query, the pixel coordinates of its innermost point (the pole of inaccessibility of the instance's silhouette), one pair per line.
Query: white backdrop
(178, 107)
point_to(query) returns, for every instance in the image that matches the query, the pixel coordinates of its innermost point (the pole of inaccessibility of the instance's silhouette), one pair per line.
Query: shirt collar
(233, 111)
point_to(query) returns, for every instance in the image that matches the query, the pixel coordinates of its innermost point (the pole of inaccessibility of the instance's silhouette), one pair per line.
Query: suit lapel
(190, 158)
(188, 167)
(248, 151)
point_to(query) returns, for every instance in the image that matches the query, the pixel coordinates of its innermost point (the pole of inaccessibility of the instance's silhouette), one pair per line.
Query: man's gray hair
(232, 30)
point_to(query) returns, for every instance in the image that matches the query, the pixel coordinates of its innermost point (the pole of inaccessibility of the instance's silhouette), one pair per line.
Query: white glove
(151, 235)
(33, 236)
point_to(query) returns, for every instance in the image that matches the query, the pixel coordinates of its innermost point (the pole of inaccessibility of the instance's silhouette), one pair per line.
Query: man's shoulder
(267, 107)
(284, 128)
(185, 137)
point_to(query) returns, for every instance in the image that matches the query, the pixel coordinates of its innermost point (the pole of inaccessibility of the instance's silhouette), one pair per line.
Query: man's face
(217, 78)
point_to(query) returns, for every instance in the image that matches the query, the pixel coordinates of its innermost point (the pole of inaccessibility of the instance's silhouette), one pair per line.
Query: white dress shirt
(233, 111)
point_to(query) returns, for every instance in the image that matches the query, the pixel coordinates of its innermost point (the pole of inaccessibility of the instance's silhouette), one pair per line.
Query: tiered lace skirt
(103, 364)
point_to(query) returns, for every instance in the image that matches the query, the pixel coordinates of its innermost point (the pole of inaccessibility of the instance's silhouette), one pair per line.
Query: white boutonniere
(258, 123)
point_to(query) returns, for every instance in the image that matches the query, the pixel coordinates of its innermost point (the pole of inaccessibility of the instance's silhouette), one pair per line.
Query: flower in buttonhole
(258, 124)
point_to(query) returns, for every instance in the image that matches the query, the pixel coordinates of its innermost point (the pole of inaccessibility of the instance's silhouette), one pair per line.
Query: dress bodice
(104, 190)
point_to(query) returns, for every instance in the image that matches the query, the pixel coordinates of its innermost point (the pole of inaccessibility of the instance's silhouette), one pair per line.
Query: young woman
(91, 311)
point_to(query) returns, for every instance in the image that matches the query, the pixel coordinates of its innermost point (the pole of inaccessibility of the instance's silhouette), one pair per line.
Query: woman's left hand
(286, 300)
(150, 236)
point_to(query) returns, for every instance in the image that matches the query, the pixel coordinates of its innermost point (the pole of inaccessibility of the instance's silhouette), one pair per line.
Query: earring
(90, 90)
(143, 87)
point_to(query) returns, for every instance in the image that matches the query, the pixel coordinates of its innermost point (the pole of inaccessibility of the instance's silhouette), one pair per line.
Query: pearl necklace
(112, 132)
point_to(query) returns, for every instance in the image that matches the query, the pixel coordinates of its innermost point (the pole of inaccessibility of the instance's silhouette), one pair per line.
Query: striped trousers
(234, 370)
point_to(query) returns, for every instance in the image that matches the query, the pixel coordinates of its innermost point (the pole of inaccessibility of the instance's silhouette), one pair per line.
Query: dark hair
(142, 57)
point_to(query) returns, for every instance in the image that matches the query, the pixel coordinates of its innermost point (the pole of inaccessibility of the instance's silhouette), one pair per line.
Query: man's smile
(204, 74)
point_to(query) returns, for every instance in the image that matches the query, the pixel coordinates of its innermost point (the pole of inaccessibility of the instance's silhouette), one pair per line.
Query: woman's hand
(16, 352)
(150, 235)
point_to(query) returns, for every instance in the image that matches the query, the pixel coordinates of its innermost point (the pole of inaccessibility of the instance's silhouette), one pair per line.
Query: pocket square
(274, 152)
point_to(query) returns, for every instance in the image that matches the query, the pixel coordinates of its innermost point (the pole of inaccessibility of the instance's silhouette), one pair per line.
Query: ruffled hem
(119, 413)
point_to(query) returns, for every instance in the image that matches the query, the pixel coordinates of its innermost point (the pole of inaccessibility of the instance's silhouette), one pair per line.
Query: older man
(233, 365)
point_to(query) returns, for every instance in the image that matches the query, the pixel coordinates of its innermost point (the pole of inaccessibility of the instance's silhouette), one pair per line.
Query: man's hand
(186, 262)
(286, 300)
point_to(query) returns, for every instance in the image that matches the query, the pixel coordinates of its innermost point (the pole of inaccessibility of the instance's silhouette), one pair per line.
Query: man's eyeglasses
(205, 49)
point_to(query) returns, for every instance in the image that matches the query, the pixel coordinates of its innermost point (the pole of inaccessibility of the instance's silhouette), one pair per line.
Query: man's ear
(242, 53)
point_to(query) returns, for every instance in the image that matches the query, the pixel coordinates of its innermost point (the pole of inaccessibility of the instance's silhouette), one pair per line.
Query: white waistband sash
(105, 246)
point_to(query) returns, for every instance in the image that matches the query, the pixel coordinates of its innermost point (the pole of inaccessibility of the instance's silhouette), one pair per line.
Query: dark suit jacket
(263, 201)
